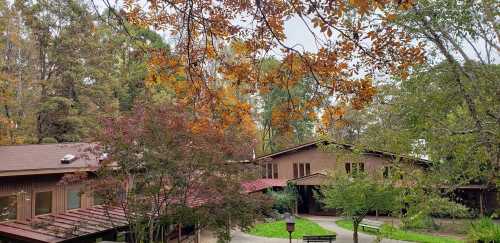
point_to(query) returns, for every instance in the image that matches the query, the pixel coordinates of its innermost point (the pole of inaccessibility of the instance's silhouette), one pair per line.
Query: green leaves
(358, 195)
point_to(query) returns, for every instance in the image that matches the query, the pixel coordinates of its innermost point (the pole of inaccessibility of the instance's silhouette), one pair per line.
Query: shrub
(484, 230)
(49, 140)
(284, 201)
(419, 221)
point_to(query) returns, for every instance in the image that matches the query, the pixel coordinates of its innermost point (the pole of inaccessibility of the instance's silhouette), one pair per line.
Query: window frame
(275, 171)
(347, 166)
(35, 197)
(269, 170)
(15, 206)
(301, 170)
(80, 195)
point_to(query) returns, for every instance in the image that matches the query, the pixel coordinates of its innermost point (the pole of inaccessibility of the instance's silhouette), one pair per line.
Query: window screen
(308, 169)
(301, 170)
(295, 171)
(8, 208)
(74, 199)
(275, 171)
(43, 202)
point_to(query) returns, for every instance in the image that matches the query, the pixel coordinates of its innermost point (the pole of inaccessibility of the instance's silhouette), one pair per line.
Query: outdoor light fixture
(290, 224)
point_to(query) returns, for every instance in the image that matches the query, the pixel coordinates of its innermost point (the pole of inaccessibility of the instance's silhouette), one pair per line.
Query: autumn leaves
(218, 61)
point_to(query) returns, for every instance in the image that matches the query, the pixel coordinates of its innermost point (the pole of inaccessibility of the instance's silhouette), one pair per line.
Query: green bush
(49, 140)
(484, 230)
(419, 221)
(285, 200)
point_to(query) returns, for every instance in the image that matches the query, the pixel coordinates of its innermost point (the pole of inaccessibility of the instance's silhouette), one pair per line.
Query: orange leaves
(218, 59)
(362, 5)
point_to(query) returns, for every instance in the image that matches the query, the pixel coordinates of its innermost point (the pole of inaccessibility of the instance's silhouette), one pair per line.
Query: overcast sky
(300, 38)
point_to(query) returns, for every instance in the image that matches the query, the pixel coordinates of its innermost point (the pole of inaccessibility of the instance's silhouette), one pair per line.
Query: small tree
(286, 200)
(358, 194)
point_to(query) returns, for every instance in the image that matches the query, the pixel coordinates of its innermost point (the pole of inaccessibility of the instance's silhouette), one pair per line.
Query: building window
(387, 171)
(354, 167)
(8, 208)
(74, 199)
(98, 199)
(43, 203)
(270, 171)
(301, 170)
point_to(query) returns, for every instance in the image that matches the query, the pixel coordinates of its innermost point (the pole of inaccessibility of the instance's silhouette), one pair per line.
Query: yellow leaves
(239, 47)
(390, 17)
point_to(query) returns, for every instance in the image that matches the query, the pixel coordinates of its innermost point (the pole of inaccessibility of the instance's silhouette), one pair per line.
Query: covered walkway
(79, 225)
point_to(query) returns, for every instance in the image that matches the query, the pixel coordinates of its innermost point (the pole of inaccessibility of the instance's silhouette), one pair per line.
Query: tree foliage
(180, 173)
(355, 45)
(358, 195)
(65, 65)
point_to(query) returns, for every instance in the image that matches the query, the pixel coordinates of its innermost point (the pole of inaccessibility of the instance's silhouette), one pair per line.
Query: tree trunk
(355, 234)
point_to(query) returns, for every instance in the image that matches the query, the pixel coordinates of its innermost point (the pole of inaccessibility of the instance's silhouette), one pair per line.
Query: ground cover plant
(484, 230)
(277, 229)
(391, 232)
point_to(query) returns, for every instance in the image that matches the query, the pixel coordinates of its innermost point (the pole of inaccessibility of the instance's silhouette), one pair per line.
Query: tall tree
(52, 82)
(451, 27)
(355, 46)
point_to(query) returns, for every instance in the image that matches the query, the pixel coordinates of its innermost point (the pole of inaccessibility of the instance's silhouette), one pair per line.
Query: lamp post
(290, 224)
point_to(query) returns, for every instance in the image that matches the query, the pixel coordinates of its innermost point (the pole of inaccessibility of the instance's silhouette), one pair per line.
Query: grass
(390, 232)
(277, 229)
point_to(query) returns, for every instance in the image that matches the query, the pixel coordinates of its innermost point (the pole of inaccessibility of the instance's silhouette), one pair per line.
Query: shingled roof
(35, 159)
(69, 226)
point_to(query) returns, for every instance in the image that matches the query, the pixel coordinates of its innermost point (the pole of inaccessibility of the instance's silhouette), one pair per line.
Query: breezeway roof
(66, 227)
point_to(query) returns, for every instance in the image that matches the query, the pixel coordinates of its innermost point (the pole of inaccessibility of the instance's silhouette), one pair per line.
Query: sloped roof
(315, 143)
(36, 159)
(261, 184)
(316, 178)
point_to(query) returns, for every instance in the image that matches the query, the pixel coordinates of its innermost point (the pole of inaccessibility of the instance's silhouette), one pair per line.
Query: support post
(198, 233)
(481, 202)
(179, 232)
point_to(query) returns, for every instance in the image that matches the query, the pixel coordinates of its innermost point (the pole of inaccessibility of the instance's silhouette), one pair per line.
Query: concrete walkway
(343, 235)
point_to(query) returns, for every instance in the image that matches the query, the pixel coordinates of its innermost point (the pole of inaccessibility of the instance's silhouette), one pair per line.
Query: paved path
(343, 235)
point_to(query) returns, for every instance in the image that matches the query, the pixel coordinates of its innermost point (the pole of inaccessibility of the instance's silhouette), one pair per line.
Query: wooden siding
(321, 161)
(26, 187)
